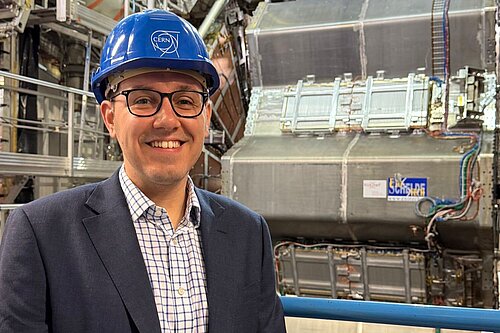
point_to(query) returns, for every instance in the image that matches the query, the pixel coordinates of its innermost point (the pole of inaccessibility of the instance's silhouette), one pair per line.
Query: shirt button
(181, 291)
(174, 242)
(158, 211)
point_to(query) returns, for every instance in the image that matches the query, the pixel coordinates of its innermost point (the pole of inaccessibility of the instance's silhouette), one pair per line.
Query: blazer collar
(216, 241)
(212, 229)
(112, 232)
(210, 211)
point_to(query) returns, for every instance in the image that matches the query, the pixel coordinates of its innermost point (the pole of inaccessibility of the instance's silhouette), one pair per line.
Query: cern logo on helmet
(165, 41)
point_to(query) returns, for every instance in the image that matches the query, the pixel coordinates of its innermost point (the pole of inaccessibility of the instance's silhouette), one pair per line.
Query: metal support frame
(367, 102)
(409, 99)
(364, 113)
(335, 100)
(218, 103)
(406, 263)
(71, 113)
(98, 144)
(23, 15)
(46, 84)
(14, 191)
(73, 33)
(12, 163)
(4, 209)
(333, 274)
(126, 8)
(86, 75)
(496, 164)
(295, 270)
(298, 92)
(45, 134)
(237, 128)
(14, 96)
(234, 77)
(212, 15)
(211, 155)
(364, 265)
(93, 20)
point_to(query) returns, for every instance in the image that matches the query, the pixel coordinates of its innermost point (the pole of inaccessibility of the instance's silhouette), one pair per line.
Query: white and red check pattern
(173, 258)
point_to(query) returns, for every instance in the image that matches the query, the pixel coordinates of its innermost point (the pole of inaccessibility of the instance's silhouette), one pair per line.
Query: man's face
(145, 142)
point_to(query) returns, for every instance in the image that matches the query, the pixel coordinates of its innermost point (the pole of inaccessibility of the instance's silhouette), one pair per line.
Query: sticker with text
(374, 189)
(406, 189)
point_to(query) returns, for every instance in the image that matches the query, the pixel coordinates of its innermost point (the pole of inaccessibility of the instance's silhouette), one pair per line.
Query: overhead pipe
(393, 313)
(212, 15)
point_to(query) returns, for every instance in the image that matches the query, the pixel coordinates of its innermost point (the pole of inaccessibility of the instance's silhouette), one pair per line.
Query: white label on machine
(374, 188)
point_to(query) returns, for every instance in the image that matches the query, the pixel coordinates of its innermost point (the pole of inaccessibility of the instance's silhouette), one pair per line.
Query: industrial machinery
(371, 148)
(51, 133)
(370, 144)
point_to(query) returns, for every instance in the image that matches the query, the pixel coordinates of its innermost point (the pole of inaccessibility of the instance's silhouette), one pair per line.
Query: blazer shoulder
(66, 200)
(230, 206)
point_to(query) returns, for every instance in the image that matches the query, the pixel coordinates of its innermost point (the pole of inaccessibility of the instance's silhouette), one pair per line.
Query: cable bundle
(441, 210)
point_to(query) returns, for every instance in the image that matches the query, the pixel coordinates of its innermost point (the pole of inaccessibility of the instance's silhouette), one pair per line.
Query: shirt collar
(138, 202)
(193, 208)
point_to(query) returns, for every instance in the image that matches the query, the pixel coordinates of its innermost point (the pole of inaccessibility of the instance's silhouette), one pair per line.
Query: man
(143, 251)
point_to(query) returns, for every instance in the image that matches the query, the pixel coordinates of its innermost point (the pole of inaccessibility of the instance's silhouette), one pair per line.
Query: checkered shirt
(173, 259)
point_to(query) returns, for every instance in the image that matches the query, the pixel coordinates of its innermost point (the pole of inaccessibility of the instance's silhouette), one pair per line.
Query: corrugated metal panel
(290, 40)
(43, 165)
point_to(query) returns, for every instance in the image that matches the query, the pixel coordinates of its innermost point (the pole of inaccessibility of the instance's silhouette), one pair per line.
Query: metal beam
(46, 84)
(212, 15)
(73, 33)
(94, 21)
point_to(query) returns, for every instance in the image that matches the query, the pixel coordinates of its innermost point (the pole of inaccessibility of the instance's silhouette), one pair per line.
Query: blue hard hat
(154, 39)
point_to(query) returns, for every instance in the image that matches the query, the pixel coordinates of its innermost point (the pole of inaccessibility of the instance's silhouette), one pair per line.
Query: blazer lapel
(114, 238)
(214, 237)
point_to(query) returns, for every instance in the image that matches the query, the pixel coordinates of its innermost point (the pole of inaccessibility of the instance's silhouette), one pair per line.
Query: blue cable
(450, 203)
(437, 79)
(473, 150)
(451, 134)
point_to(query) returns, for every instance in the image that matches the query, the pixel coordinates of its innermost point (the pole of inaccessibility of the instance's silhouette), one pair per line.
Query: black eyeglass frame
(169, 95)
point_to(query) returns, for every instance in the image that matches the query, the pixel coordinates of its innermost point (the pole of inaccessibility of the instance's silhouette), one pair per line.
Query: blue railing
(393, 313)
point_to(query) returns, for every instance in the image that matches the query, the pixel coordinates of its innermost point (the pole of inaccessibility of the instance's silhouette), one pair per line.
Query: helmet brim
(205, 68)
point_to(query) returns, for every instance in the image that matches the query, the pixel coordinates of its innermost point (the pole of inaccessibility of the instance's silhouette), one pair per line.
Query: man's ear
(207, 115)
(108, 115)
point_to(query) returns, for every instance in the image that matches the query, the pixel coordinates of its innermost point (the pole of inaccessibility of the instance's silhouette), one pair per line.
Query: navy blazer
(71, 262)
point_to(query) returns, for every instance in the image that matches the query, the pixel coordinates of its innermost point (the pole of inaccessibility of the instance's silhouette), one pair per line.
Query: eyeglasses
(147, 102)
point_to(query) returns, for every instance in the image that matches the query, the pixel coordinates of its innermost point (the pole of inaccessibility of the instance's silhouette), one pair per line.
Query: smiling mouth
(165, 144)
